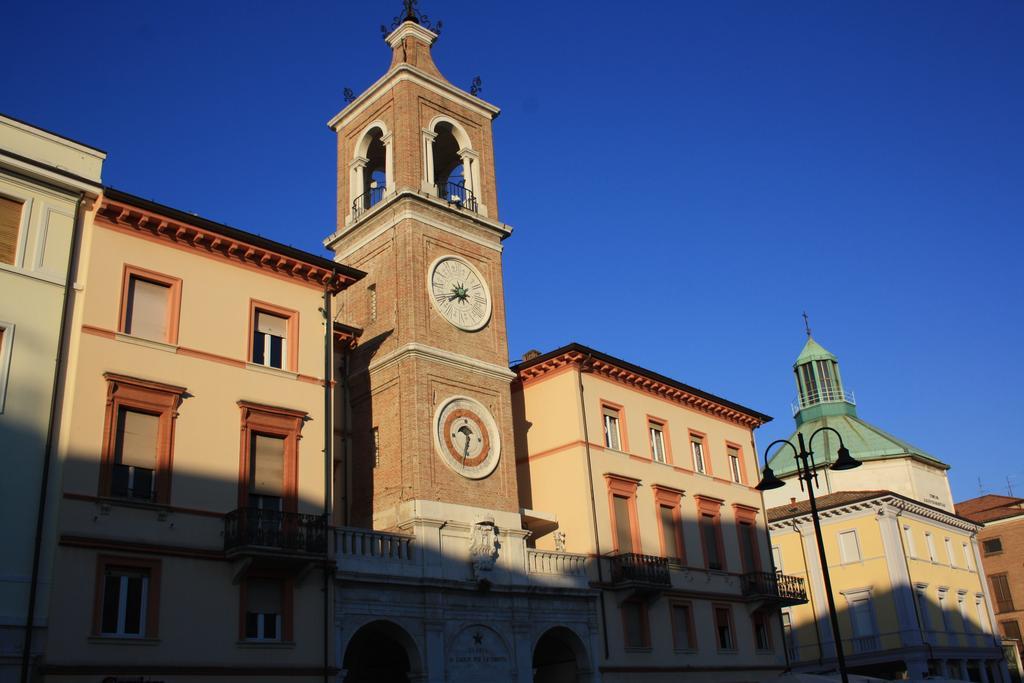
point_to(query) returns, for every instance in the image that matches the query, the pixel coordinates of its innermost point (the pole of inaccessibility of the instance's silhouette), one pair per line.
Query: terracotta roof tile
(803, 507)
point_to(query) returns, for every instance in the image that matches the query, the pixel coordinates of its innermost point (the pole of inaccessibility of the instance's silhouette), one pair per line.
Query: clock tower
(426, 423)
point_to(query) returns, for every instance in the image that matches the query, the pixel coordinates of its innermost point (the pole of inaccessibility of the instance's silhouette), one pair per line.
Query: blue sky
(684, 179)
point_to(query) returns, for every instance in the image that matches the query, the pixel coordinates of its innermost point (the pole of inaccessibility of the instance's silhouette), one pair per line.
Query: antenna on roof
(1009, 487)
(807, 325)
(981, 491)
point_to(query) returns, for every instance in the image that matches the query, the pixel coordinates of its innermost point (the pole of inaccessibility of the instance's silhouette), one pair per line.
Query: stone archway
(381, 652)
(560, 657)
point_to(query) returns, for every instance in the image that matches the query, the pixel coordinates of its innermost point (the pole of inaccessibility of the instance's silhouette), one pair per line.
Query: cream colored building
(194, 440)
(906, 575)
(653, 480)
(47, 184)
(907, 580)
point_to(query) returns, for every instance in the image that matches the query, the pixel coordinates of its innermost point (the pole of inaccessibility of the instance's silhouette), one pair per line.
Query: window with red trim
(273, 338)
(138, 439)
(127, 601)
(150, 305)
(725, 636)
(268, 470)
(635, 629)
(266, 608)
(684, 635)
(622, 508)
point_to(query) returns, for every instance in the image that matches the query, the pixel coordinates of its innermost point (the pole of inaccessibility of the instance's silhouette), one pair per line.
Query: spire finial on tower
(411, 13)
(807, 325)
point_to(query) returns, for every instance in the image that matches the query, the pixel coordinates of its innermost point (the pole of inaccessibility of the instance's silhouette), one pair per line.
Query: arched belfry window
(452, 168)
(371, 172)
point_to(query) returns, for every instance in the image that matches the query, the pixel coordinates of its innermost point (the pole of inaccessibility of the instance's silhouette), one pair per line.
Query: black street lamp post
(806, 472)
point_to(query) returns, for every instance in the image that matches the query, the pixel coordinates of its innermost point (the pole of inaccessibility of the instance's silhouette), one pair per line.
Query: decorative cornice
(878, 505)
(134, 219)
(637, 380)
(441, 356)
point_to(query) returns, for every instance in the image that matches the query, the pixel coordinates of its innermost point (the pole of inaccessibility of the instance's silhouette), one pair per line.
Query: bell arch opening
(381, 652)
(452, 164)
(371, 172)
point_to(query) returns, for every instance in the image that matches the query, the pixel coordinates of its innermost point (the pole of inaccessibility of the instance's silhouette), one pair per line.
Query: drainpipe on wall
(593, 508)
(26, 654)
(328, 467)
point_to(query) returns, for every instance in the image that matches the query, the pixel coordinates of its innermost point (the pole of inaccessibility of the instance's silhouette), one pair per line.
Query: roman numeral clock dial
(459, 293)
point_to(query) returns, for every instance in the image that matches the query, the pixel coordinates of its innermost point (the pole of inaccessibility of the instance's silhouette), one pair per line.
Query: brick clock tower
(427, 410)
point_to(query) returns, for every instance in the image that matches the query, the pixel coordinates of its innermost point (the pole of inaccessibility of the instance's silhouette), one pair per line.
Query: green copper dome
(822, 401)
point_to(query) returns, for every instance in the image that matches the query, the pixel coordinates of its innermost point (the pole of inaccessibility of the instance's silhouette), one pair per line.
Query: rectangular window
(670, 532)
(623, 524)
(682, 627)
(137, 436)
(961, 603)
(825, 372)
(762, 634)
(723, 628)
(263, 609)
(862, 620)
(125, 592)
(711, 536)
(148, 313)
(135, 454)
(810, 384)
(10, 225)
(922, 607)
(1001, 593)
(748, 546)
(930, 545)
(697, 446)
(944, 611)
(790, 635)
(266, 472)
(909, 536)
(657, 433)
(734, 464)
(612, 437)
(992, 546)
(949, 553)
(967, 557)
(1011, 631)
(269, 340)
(634, 624)
(777, 558)
(849, 548)
(979, 606)
(127, 597)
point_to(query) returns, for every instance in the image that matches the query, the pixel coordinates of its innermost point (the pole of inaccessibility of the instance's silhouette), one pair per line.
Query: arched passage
(559, 657)
(371, 173)
(381, 652)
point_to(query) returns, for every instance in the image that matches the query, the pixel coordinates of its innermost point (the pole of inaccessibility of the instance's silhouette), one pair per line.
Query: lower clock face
(466, 437)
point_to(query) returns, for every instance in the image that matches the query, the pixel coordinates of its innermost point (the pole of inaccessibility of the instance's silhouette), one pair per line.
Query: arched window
(452, 168)
(371, 172)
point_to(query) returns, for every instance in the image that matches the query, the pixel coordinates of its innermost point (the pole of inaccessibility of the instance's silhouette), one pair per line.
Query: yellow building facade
(194, 444)
(907, 582)
(653, 480)
(47, 183)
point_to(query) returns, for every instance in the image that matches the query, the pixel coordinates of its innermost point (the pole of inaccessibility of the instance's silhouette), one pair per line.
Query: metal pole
(808, 476)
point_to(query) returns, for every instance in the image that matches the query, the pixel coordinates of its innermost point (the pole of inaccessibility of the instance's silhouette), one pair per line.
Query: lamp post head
(769, 481)
(845, 461)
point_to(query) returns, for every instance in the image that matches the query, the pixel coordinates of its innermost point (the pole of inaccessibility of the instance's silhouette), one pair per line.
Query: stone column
(389, 164)
(523, 655)
(434, 652)
(355, 185)
(427, 178)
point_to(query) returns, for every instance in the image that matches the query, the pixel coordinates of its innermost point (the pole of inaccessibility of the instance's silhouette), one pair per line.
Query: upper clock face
(459, 293)
(467, 437)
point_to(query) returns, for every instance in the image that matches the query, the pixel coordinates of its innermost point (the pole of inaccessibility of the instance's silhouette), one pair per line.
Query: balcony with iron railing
(824, 395)
(780, 589)
(265, 531)
(367, 200)
(457, 194)
(634, 569)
